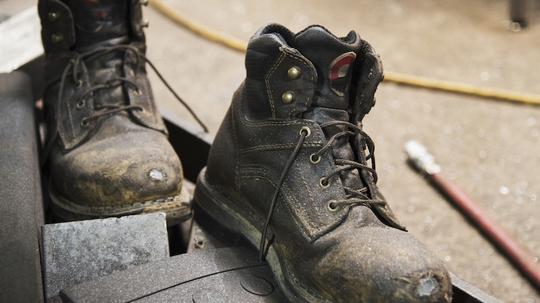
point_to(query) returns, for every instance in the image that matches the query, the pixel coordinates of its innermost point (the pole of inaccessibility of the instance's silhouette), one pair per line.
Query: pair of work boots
(290, 169)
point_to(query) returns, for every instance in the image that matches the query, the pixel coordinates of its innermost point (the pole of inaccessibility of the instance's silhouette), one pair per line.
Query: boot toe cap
(384, 265)
(117, 171)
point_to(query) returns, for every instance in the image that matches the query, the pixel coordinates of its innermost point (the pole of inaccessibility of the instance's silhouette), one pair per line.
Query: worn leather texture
(357, 253)
(108, 149)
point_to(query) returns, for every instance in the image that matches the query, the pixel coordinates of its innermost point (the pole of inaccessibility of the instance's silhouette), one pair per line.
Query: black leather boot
(292, 171)
(107, 151)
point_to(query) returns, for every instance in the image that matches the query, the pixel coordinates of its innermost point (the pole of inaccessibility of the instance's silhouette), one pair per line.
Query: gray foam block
(204, 276)
(76, 252)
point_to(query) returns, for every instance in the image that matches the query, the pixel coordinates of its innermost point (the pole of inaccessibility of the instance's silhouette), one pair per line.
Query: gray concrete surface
(77, 252)
(489, 149)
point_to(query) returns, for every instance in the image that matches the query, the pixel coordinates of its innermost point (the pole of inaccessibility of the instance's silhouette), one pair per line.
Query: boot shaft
(290, 74)
(75, 25)
(297, 83)
(310, 76)
(94, 63)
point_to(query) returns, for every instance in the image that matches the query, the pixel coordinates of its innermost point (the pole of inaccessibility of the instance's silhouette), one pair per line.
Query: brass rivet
(53, 16)
(287, 97)
(294, 72)
(57, 38)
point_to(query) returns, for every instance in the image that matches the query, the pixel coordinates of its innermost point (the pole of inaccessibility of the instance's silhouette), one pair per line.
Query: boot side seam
(285, 195)
(283, 146)
(232, 120)
(267, 82)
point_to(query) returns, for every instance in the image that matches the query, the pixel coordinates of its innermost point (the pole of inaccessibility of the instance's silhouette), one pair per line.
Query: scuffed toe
(383, 265)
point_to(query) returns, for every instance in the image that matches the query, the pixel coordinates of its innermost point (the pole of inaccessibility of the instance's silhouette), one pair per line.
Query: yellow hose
(391, 77)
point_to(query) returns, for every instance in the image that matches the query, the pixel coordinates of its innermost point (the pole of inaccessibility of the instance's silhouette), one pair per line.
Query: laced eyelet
(79, 84)
(84, 123)
(305, 131)
(332, 206)
(81, 104)
(314, 158)
(324, 183)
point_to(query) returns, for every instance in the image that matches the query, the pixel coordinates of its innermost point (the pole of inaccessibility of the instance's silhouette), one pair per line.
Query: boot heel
(216, 229)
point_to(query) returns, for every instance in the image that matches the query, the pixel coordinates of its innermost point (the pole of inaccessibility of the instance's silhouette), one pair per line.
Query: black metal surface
(190, 142)
(34, 69)
(518, 9)
(21, 212)
(464, 292)
(193, 148)
(220, 275)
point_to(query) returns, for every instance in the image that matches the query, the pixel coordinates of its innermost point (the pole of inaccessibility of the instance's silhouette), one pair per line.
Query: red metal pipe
(522, 259)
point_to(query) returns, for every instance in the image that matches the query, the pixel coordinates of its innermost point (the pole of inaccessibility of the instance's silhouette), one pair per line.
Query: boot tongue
(99, 21)
(334, 60)
(102, 23)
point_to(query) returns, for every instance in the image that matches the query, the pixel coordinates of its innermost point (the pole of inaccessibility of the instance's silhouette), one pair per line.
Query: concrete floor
(489, 149)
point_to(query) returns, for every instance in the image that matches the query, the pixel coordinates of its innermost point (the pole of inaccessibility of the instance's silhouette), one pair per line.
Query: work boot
(293, 172)
(107, 150)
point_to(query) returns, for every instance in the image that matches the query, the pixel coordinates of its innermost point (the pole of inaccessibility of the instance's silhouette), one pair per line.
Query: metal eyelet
(144, 2)
(332, 206)
(79, 84)
(84, 123)
(324, 183)
(314, 158)
(305, 131)
(81, 104)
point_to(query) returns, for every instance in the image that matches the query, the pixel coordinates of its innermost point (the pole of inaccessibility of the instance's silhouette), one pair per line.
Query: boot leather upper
(114, 160)
(352, 254)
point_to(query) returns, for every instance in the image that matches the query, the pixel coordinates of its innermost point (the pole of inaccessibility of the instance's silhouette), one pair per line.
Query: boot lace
(76, 66)
(354, 197)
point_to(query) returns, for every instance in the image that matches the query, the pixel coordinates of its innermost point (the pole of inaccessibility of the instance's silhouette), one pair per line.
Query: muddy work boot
(293, 172)
(107, 150)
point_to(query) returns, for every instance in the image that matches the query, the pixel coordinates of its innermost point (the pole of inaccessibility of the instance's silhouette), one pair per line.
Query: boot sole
(176, 208)
(213, 205)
